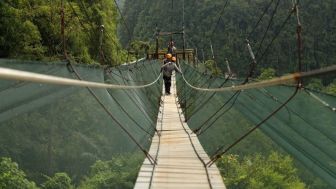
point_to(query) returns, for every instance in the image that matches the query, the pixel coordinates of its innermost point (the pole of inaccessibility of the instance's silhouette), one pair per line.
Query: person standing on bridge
(171, 48)
(167, 70)
(167, 59)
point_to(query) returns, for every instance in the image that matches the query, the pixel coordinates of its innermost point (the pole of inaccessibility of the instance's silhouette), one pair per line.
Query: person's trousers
(167, 83)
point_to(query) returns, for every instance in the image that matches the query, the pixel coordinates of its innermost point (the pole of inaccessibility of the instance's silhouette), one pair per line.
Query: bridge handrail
(267, 83)
(12, 74)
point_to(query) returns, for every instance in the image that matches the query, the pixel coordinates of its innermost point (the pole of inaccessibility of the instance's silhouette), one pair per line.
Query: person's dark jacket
(168, 69)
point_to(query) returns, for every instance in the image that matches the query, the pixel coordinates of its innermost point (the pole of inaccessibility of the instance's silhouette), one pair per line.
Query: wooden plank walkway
(180, 156)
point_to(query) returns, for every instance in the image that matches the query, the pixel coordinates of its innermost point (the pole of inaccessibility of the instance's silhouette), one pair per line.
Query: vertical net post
(101, 43)
(157, 44)
(62, 29)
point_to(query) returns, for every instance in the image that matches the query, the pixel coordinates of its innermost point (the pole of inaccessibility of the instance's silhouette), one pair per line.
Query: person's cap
(168, 55)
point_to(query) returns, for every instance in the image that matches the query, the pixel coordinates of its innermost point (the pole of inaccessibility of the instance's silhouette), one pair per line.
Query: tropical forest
(100, 94)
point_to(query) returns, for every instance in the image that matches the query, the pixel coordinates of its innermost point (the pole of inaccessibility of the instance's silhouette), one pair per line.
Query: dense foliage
(58, 181)
(267, 73)
(119, 172)
(32, 30)
(254, 172)
(11, 177)
(236, 24)
(316, 84)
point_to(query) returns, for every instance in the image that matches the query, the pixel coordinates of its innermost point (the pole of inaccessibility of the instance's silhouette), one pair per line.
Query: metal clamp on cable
(250, 51)
(252, 65)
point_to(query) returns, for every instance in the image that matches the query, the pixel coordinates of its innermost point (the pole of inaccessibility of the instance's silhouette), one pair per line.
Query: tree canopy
(238, 22)
(13, 177)
(32, 30)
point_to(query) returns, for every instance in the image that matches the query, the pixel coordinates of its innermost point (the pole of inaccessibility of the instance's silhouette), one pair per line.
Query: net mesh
(52, 128)
(304, 128)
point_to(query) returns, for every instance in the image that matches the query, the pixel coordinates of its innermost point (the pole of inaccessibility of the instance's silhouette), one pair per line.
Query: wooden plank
(179, 155)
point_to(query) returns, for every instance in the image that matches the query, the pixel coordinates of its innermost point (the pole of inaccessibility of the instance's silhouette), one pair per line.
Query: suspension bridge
(170, 129)
(176, 158)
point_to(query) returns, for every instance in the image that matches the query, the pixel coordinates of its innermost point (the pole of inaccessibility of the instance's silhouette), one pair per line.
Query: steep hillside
(32, 30)
(237, 22)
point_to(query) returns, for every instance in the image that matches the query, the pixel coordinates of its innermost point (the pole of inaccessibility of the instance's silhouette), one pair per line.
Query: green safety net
(304, 128)
(52, 128)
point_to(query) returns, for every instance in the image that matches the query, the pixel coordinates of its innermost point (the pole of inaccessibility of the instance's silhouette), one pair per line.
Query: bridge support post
(183, 37)
(101, 54)
(157, 44)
